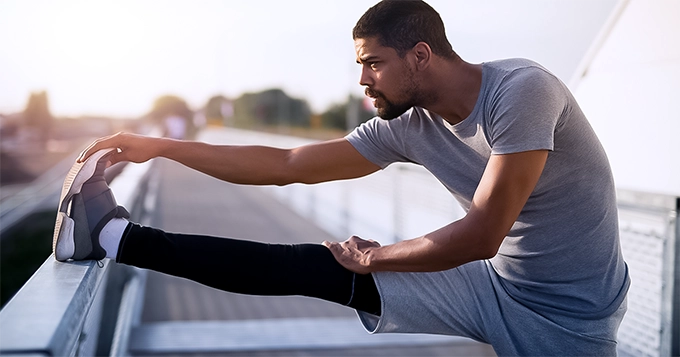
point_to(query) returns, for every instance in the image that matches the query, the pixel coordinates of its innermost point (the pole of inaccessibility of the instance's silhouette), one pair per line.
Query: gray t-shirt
(562, 255)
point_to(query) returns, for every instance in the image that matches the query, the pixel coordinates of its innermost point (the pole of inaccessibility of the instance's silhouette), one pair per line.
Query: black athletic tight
(248, 267)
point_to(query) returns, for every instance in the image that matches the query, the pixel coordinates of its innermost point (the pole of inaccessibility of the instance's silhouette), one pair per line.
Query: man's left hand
(354, 253)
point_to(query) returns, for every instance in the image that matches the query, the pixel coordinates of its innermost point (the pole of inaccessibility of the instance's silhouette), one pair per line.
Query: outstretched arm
(506, 184)
(255, 165)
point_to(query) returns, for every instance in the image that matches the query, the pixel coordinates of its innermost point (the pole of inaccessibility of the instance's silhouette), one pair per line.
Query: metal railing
(649, 230)
(72, 309)
(69, 309)
(375, 207)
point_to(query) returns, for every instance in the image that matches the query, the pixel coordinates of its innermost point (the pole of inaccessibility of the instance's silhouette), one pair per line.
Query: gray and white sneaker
(85, 206)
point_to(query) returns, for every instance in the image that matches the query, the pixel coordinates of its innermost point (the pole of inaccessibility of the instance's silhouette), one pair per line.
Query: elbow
(286, 177)
(282, 178)
(488, 247)
(285, 172)
(294, 170)
(484, 239)
(488, 252)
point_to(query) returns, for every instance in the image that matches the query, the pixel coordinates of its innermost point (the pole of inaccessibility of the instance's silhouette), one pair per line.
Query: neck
(455, 86)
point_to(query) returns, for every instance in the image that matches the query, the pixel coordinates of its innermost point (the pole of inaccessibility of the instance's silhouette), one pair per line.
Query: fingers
(102, 143)
(117, 157)
(348, 255)
(332, 246)
(335, 248)
(360, 242)
(340, 246)
(353, 243)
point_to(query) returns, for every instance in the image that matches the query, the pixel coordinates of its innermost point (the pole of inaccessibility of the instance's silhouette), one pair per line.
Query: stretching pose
(534, 267)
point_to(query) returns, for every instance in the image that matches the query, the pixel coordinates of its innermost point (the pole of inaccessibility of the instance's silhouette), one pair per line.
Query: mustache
(372, 93)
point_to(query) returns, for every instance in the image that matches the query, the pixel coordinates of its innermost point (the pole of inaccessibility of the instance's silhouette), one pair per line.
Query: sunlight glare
(94, 45)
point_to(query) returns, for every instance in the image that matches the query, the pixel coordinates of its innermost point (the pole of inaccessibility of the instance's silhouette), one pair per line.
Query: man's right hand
(131, 147)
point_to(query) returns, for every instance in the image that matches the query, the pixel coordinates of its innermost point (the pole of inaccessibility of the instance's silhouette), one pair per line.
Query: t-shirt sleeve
(380, 141)
(525, 111)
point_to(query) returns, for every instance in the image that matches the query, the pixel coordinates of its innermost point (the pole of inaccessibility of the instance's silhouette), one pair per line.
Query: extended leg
(249, 267)
(90, 225)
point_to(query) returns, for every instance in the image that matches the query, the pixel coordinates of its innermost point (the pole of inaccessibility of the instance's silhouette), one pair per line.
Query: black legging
(248, 267)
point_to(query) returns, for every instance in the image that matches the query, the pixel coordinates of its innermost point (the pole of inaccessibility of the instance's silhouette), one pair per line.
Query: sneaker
(85, 206)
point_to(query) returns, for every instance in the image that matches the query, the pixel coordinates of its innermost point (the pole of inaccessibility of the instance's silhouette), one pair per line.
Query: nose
(366, 78)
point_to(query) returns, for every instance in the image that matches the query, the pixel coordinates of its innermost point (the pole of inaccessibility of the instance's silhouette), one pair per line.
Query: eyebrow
(367, 59)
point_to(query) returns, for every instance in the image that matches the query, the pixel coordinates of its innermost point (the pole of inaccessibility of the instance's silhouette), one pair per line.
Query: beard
(391, 109)
(387, 109)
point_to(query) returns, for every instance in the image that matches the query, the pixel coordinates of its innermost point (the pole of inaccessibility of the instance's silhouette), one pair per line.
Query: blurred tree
(335, 117)
(170, 106)
(271, 107)
(219, 110)
(347, 115)
(37, 115)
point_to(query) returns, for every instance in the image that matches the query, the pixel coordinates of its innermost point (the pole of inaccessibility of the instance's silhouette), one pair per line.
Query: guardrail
(43, 191)
(650, 233)
(406, 201)
(62, 309)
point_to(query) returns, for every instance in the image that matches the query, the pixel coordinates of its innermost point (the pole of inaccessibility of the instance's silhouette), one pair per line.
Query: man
(534, 268)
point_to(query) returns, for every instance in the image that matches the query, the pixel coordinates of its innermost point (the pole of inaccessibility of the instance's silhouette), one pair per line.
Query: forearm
(506, 185)
(255, 165)
(445, 248)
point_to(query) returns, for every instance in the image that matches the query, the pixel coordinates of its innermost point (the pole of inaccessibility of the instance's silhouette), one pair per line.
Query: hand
(131, 147)
(353, 253)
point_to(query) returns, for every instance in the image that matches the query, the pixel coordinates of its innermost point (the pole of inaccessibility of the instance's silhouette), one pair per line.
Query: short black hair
(401, 24)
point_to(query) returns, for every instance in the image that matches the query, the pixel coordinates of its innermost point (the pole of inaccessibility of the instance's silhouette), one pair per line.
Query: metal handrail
(58, 311)
(61, 308)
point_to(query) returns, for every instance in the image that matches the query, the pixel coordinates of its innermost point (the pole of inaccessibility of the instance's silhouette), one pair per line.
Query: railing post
(649, 240)
(675, 322)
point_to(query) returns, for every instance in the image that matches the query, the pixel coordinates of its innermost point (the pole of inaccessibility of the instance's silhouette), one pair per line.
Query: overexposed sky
(115, 57)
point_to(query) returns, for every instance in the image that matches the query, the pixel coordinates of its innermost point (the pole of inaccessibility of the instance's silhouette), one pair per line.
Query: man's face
(388, 78)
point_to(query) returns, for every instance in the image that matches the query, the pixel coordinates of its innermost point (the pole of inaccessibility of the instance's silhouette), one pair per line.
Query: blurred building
(628, 85)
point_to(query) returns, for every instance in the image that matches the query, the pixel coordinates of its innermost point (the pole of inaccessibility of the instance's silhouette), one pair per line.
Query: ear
(422, 55)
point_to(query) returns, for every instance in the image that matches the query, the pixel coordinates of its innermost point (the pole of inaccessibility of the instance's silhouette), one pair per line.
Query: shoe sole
(63, 241)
